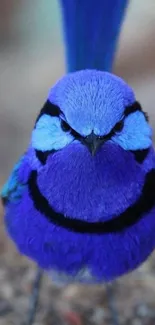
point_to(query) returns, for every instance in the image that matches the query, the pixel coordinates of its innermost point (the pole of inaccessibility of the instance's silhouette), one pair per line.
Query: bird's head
(92, 107)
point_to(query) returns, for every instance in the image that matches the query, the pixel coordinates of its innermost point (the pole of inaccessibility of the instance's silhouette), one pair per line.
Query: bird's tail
(91, 31)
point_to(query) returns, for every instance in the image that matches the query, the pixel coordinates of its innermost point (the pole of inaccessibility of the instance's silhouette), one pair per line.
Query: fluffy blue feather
(12, 189)
(91, 31)
(94, 100)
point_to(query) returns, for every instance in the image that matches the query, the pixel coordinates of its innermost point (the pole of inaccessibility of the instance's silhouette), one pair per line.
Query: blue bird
(80, 202)
(84, 204)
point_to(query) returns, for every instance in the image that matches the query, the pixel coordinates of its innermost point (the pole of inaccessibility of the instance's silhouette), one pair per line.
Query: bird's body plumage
(87, 218)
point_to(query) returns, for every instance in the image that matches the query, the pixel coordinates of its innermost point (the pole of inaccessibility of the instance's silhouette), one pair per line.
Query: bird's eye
(119, 126)
(65, 127)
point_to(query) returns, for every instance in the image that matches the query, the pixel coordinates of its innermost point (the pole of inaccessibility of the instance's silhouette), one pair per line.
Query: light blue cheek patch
(48, 134)
(136, 134)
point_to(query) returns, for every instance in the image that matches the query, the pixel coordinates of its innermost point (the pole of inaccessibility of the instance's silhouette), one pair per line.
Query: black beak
(93, 143)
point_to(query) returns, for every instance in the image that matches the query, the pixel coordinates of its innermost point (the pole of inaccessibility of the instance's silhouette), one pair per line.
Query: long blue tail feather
(91, 30)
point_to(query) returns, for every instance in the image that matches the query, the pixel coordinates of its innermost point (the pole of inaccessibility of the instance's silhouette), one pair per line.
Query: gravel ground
(134, 295)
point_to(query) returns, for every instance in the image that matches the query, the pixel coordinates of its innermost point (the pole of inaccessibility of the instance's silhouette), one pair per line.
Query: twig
(111, 304)
(34, 299)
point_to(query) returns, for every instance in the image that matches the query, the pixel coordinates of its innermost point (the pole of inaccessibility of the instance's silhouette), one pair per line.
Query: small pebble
(142, 311)
(5, 308)
(136, 322)
(7, 290)
(98, 315)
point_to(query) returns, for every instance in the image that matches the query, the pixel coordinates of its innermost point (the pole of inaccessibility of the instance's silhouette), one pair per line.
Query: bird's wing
(13, 188)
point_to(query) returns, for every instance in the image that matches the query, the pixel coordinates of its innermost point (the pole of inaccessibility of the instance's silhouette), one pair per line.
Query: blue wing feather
(13, 189)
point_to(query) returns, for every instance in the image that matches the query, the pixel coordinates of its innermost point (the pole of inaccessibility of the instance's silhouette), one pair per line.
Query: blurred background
(31, 60)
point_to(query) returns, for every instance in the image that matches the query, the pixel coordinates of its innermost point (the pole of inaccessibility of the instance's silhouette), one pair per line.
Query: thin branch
(111, 303)
(34, 299)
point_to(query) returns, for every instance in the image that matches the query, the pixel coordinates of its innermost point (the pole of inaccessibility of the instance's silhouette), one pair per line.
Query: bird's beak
(93, 143)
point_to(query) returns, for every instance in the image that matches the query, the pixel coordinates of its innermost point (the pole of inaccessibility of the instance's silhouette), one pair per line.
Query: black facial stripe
(126, 219)
(128, 110)
(67, 128)
(53, 110)
(109, 135)
(4, 201)
(43, 155)
(76, 135)
(119, 125)
(140, 155)
(146, 116)
(133, 108)
(49, 109)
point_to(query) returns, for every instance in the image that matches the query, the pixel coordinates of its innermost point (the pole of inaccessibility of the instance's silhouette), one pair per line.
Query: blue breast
(91, 188)
(105, 256)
